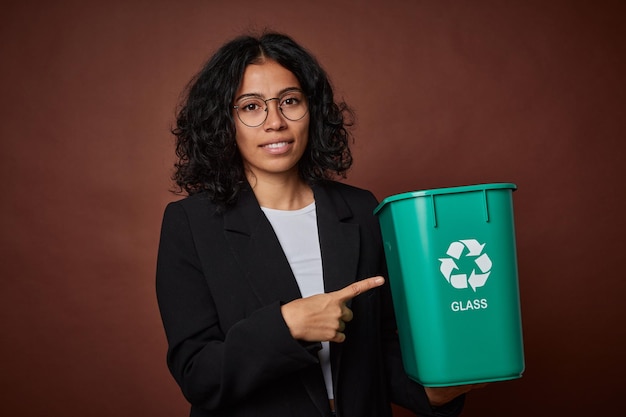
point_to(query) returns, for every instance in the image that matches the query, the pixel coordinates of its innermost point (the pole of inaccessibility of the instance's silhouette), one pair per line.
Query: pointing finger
(359, 287)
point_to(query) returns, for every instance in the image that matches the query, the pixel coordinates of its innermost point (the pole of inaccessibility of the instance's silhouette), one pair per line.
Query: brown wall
(447, 93)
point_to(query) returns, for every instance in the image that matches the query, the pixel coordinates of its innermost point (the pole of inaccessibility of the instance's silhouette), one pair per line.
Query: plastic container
(453, 275)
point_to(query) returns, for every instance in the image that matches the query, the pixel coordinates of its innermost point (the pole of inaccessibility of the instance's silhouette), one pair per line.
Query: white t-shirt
(297, 233)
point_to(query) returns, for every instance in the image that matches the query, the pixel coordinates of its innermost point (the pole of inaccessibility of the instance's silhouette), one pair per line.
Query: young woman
(270, 273)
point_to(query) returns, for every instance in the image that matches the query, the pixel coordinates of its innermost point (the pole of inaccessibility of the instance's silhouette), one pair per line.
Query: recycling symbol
(469, 248)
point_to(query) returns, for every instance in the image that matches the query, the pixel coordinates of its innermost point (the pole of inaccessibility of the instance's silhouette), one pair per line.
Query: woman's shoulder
(185, 201)
(348, 191)
(361, 202)
(190, 204)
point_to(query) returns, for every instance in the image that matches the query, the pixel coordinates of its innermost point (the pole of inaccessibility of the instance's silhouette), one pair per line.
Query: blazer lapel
(340, 245)
(339, 240)
(258, 251)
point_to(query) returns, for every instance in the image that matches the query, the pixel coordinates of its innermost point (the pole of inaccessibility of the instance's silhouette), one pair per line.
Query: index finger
(359, 287)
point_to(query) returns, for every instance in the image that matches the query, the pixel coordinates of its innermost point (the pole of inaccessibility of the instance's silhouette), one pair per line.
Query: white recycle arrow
(457, 280)
(473, 246)
(477, 280)
(447, 266)
(461, 281)
(484, 263)
(455, 250)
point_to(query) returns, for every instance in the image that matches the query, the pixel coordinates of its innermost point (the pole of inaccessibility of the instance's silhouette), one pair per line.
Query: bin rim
(446, 190)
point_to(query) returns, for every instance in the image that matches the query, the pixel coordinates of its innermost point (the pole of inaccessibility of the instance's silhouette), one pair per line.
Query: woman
(269, 275)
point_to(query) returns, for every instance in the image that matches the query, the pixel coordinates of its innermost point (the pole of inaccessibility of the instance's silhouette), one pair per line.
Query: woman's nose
(275, 119)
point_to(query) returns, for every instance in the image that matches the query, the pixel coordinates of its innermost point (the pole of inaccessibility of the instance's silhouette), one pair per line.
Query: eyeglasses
(252, 111)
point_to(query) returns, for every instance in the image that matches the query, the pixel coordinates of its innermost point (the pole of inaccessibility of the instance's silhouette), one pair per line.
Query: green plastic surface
(453, 274)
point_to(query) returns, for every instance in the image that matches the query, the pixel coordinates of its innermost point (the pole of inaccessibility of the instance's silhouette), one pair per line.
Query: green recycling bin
(453, 275)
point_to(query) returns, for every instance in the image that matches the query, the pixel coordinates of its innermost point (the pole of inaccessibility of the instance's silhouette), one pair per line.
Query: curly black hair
(207, 156)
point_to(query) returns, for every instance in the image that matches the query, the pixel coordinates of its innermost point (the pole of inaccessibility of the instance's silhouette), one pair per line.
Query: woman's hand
(438, 396)
(323, 317)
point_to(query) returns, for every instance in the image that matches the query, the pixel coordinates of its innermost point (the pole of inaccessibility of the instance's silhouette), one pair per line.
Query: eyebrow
(280, 93)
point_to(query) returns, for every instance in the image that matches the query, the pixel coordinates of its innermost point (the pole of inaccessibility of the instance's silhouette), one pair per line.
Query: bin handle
(434, 211)
(486, 206)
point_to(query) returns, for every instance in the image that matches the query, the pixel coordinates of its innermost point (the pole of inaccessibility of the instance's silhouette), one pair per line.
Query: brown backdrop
(447, 93)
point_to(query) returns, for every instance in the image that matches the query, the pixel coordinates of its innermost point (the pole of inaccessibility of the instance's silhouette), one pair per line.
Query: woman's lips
(277, 147)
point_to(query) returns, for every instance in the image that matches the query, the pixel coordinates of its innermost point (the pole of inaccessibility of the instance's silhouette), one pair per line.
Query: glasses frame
(266, 110)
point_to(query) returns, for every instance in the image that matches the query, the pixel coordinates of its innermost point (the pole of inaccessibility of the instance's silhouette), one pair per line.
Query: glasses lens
(251, 111)
(293, 105)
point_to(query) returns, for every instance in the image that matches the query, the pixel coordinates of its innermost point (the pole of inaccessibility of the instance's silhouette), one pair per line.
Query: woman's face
(273, 148)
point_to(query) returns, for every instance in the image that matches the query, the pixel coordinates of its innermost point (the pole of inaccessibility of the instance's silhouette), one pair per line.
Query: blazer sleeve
(214, 367)
(404, 391)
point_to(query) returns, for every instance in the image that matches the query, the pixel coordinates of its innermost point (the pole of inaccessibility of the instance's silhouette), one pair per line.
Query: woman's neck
(282, 193)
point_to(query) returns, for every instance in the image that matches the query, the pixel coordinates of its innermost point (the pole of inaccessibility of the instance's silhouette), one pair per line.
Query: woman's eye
(290, 101)
(250, 107)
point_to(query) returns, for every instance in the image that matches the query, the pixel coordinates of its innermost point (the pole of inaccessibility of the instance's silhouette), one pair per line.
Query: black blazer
(221, 279)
